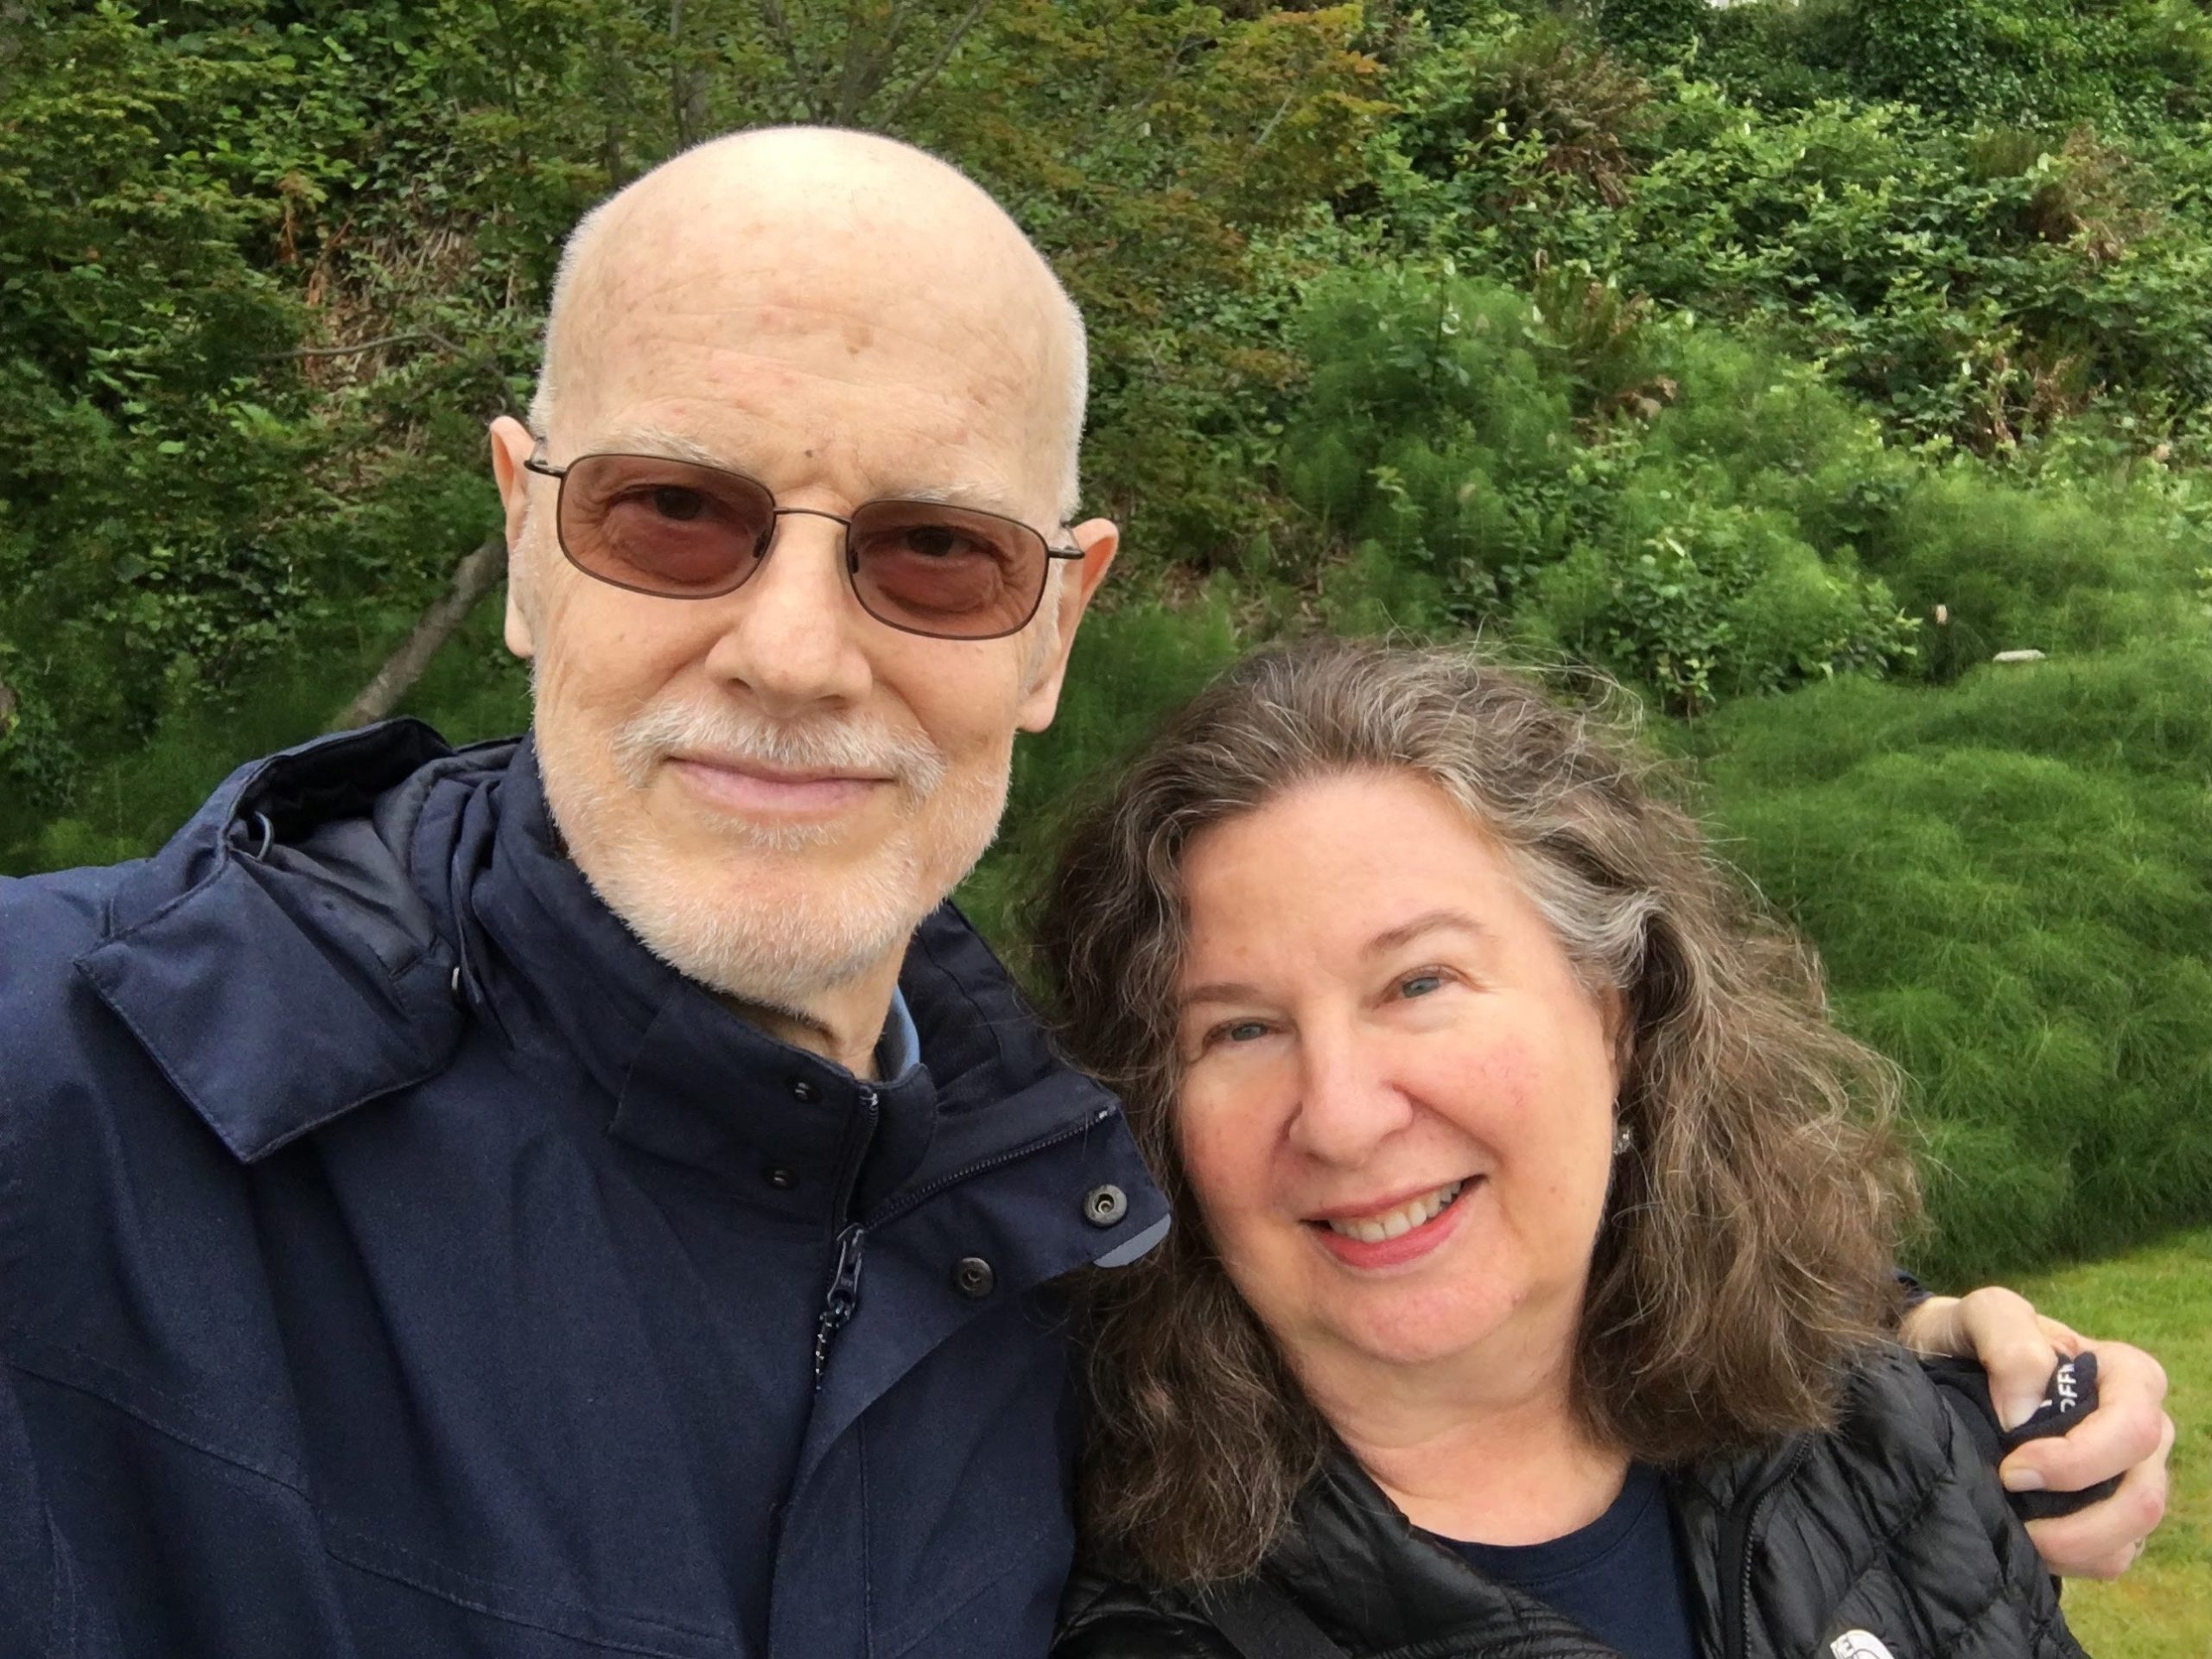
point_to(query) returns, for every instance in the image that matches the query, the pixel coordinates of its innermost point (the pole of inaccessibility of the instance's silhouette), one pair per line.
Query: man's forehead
(724, 380)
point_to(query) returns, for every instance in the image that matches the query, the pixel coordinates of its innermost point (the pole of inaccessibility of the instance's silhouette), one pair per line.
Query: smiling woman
(1396, 1101)
(1530, 1282)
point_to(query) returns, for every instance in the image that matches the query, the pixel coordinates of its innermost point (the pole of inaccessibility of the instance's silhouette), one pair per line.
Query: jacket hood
(278, 938)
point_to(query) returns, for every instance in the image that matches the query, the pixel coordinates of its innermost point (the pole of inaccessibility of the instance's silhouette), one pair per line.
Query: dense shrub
(2010, 883)
(1981, 275)
(1612, 487)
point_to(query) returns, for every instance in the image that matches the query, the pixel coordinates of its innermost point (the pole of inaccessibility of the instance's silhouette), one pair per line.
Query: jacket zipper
(1742, 1532)
(844, 1292)
(843, 1297)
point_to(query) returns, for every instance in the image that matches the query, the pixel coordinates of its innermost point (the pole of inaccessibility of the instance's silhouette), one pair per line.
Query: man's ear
(512, 445)
(1100, 540)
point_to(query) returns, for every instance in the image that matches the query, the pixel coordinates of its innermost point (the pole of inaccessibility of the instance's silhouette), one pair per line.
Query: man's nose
(1348, 1105)
(791, 633)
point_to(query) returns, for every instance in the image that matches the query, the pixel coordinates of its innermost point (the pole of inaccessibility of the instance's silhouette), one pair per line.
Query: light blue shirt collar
(900, 1049)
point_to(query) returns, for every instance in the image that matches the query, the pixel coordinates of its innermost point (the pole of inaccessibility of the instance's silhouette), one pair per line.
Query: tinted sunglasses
(682, 530)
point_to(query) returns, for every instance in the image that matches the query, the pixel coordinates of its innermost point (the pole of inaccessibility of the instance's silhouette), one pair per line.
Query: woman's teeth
(1391, 1224)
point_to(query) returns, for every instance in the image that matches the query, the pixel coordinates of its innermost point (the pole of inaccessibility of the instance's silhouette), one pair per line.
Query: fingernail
(2021, 1480)
(2016, 1410)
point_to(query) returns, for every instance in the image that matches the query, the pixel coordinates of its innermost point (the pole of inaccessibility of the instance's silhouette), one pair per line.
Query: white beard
(783, 948)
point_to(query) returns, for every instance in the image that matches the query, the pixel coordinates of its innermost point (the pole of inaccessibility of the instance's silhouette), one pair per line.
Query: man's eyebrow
(1428, 922)
(982, 498)
(660, 441)
(645, 439)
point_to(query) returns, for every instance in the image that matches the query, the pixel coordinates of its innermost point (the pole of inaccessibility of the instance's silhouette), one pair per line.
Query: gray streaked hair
(1745, 1254)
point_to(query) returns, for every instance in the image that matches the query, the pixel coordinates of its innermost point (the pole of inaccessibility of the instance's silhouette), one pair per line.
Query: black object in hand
(2070, 1396)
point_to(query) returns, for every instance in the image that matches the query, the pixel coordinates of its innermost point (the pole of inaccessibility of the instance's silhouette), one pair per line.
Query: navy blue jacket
(396, 1259)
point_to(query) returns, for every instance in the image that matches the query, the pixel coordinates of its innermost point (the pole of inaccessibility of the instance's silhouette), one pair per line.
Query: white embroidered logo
(1860, 1644)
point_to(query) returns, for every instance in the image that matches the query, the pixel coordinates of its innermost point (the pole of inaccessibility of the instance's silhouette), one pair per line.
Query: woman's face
(1397, 1113)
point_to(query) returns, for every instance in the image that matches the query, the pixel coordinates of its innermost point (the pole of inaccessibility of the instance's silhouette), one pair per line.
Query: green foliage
(1982, 277)
(2018, 60)
(1618, 489)
(2067, 567)
(1709, 601)
(1975, 291)
(145, 476)
(1132, 664)
(2010, 883)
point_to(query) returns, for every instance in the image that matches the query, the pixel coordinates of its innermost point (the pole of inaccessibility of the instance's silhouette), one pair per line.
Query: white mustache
(867, 748)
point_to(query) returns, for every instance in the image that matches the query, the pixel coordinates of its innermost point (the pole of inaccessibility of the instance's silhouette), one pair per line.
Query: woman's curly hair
(1745, 1253)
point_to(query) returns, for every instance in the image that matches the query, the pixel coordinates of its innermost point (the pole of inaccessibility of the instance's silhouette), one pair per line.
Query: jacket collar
(1378, 1584)
(690, 1081)
(325, 931)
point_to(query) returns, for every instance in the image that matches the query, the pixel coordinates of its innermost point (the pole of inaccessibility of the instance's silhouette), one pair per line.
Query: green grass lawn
(2159, 1299)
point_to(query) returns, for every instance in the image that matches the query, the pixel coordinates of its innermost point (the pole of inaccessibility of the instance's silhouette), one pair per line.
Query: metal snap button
(782, 1180)
(1104, 1205)
(973, 1278)
(805, 1090)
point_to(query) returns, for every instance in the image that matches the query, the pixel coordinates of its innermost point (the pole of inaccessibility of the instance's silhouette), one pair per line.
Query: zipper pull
(844, 1295)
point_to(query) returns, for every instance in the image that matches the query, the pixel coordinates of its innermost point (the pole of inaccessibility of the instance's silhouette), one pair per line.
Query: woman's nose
(1348, 1103)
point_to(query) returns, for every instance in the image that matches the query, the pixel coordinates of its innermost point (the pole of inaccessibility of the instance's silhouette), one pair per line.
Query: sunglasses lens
(945, 570)
(663, 526)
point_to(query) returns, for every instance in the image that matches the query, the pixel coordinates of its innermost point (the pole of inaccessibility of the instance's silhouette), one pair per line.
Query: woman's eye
(1420, 984)
(1240, 1031)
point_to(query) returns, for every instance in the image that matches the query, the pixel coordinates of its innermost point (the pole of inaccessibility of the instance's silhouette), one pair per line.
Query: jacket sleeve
(32, 1581)
(34, 1613)
(41, 1611)
(2028, 1584)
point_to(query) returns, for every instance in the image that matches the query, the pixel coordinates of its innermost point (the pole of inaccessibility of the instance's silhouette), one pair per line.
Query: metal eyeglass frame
(536, 463)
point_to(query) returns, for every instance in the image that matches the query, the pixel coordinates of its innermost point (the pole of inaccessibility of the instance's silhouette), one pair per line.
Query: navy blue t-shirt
(1620, 1578)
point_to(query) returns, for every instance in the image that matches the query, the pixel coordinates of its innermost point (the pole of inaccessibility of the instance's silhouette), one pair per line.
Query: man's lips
(745, 786)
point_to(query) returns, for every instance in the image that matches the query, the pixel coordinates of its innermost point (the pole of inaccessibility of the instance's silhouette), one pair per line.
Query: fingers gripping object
(2070, 1396)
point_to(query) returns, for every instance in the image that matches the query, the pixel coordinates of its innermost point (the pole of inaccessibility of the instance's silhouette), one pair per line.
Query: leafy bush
(1627, 491)
(1981, 275)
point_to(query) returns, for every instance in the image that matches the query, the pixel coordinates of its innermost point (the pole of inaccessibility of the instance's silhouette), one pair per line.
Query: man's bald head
(838, 222)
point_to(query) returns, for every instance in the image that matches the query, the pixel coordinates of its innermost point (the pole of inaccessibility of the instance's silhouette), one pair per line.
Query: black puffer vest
(1888, 1538)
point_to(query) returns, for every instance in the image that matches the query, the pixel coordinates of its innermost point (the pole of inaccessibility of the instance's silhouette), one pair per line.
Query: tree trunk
(474, 577)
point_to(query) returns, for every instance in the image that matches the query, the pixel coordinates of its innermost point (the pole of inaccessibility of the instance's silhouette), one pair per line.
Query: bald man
(587, 1194)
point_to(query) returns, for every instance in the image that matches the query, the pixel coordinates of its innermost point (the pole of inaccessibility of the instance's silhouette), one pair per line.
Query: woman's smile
(1390, 1237)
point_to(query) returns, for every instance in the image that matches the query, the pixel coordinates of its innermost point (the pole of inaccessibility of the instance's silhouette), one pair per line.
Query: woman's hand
(2129, 1434)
